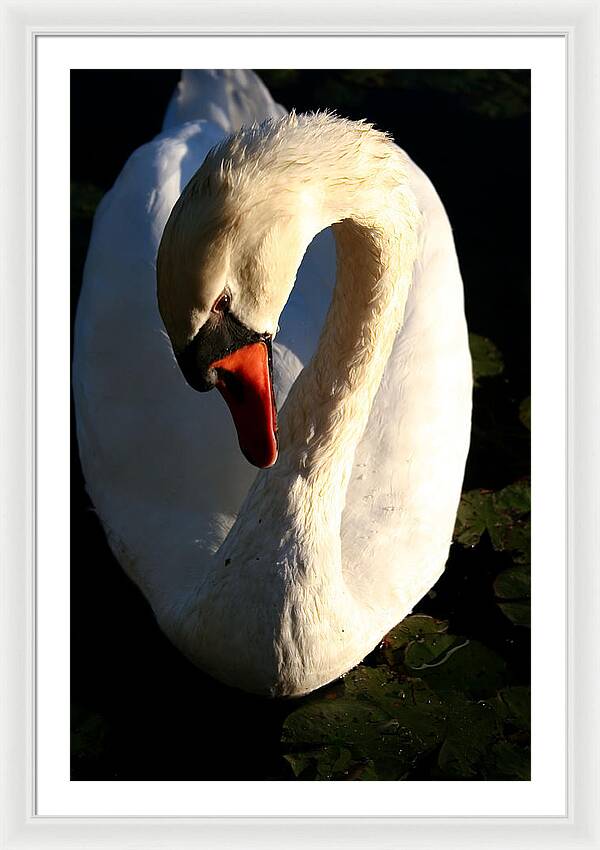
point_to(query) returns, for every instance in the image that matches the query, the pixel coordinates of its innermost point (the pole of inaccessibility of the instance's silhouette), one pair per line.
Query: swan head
(226, 265)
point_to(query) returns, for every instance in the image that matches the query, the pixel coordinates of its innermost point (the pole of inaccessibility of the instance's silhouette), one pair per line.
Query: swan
(304, 267)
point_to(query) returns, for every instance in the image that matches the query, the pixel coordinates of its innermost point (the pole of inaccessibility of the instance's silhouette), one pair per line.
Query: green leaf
(516, 498)
(412, 628)
(429, 651)
(504, 515)
(340, 721)
(471, 731)
(513, 584)
(487, 360)
(469, 668)
(442, 663)
(444, 697)
(525, 412)
(510, 533)
(325, 763)
(473, 517)
(384, 724)
(506, 760)
(516, 703)
(518, 613)
(512, 589)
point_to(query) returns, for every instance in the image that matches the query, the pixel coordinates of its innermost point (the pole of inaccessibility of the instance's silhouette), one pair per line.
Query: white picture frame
(22, 23)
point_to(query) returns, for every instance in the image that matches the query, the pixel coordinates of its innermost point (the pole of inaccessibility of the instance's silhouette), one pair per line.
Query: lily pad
(421, 647)
(505, 760)
(430, 651)
(518, 613)
(512, 589)
(327, 762)
(525, 412)
(503, 514)
(389, 719)
(513, 583)
(487, 360)
(386, 726)
(442, 662)
(516, 704)
(471, 731)
(413, 628)
(472, 669)
(515, 498)
(475, 515)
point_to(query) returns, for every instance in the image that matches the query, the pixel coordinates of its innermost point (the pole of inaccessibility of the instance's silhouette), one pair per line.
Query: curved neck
(283, 556)
(328, 407)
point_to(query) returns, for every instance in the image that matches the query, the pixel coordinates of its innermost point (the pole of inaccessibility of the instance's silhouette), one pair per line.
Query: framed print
(111, 736)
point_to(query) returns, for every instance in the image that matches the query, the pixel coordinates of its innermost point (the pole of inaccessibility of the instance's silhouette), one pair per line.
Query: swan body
(279, 580)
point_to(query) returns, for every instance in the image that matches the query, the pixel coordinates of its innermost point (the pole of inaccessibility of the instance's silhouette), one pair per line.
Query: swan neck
(328, 408)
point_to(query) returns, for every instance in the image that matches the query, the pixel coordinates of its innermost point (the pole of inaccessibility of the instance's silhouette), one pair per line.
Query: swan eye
(222, 303)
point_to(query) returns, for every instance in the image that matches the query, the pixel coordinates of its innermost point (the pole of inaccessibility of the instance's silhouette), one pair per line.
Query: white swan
(277, 581)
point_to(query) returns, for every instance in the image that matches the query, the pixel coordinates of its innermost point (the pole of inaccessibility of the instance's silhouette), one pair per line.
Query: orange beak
(244, 379)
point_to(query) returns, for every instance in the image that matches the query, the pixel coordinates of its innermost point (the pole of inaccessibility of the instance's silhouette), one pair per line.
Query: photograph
(300, 424)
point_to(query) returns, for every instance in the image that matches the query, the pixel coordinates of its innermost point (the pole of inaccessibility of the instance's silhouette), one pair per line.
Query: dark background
(139, 709)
